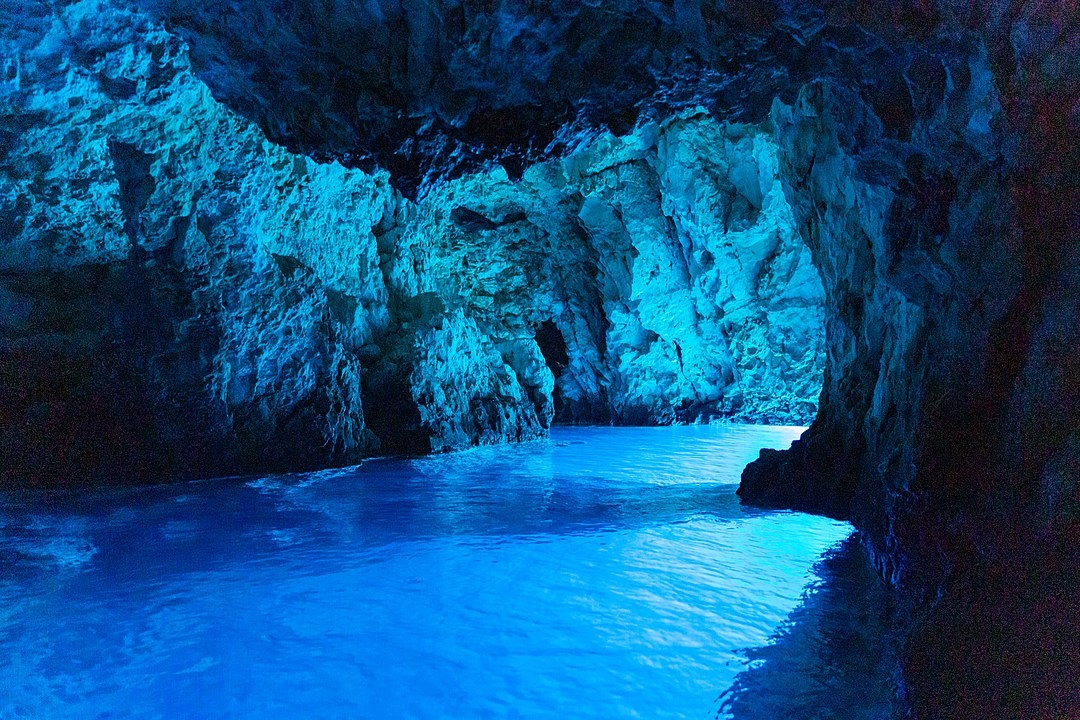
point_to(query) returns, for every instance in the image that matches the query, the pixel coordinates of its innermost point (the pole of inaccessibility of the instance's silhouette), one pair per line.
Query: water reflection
(836, 656)
(581, 480)
(603, 573)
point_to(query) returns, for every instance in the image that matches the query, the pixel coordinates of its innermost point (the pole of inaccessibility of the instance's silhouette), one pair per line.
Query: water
(602, 573)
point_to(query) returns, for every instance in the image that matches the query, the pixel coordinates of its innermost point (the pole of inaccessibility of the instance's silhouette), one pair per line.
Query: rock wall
(184, 298)
(947, 247)
(664, 261)
(180, 296)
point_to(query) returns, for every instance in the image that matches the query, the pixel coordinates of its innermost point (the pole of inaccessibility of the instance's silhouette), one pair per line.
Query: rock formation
(184, 298)
(180, 296)
(664, 264)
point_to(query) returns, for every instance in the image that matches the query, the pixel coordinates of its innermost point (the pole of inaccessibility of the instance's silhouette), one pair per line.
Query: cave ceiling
(431, 90)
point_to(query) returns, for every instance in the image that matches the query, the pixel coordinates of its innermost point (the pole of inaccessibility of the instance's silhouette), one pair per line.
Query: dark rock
(470, 220)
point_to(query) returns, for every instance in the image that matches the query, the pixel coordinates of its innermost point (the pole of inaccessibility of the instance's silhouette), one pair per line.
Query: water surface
(605, 572)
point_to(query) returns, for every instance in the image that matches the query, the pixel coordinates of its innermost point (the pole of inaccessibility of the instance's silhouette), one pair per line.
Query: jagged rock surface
(664, 262)
(185, 298)
(439, 88)
(948, 253)
(180, 296)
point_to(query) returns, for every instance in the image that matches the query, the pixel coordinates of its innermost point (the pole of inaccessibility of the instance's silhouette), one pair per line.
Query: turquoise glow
(602, 573)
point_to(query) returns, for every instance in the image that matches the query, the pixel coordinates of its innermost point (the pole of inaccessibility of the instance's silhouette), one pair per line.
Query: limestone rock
(185, 298)
(188, 298)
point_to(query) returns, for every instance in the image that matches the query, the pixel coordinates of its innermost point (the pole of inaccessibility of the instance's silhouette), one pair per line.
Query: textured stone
(187, 293)
(948, 258)
(439, 88)
(678, 295)
(186, 298)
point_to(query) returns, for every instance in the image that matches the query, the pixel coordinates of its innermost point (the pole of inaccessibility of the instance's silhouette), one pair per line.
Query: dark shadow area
(835, 657)
(1004, 642)
(552, 346)
(390, 411)
(77, 378)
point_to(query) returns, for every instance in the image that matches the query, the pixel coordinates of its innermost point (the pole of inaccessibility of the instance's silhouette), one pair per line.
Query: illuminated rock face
(664, 264)
(181, 297)
(185, 298)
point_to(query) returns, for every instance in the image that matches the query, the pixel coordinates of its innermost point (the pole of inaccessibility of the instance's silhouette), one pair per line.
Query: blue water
(606, 572)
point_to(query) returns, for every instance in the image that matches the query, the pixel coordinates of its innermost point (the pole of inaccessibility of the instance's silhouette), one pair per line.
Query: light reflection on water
(602, 573)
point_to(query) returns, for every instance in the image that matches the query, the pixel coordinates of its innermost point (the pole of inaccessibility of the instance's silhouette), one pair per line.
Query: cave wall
(180, 296)
(916, 234)
(947, 237)
(947, 245)
(666, 260)
(184, 298)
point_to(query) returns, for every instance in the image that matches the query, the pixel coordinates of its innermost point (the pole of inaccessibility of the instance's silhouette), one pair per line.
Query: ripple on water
(602, 573)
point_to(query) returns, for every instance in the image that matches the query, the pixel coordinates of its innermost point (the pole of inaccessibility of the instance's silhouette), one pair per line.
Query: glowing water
(602, 573)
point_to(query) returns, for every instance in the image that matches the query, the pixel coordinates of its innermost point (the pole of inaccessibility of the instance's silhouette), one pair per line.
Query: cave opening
(553, 347)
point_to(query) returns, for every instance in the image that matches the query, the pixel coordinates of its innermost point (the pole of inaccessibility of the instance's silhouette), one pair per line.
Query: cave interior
(251, 237)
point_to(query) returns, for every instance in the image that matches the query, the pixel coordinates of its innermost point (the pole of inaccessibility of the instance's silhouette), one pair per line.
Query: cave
(284, 243)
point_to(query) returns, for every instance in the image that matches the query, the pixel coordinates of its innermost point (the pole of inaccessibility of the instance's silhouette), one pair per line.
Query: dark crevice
(137, 184)
(552, 346)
